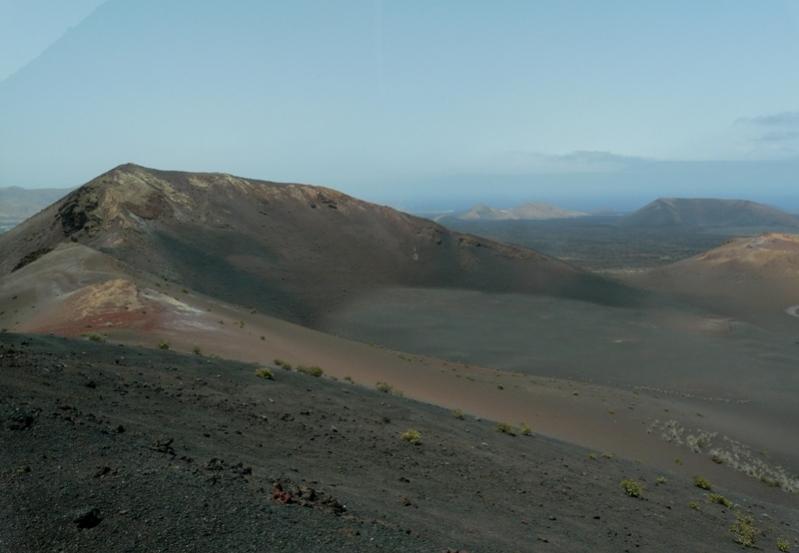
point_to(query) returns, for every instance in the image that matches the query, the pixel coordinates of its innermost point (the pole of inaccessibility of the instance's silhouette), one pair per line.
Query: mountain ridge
(529, 211)
(18, 203)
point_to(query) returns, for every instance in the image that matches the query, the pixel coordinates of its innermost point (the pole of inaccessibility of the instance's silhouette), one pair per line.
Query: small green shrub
(311, 371)
(744, 531)
(660, 480)
(163, 344)
(282, 364)
(769, 481)
(702, 483)
(197, 350)
(633, 488)
(458, 414)
(348, 379)
(505, 428)
(95, 337)
(593, 456)
(412, 436)
(783, 545)
(384, 387)
(525, 430)
(264, 373)
(719, 500)
(694, 505)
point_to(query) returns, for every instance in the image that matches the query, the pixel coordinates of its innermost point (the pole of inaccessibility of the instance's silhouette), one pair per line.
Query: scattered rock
(288, 493)
(88, 517)
(164, 445)
(22, 420)
(218, 467)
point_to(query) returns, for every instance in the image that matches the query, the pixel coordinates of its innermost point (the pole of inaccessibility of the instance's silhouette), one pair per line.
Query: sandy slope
(91, 293)
(204, 262)
(121, 449)
(755, 279)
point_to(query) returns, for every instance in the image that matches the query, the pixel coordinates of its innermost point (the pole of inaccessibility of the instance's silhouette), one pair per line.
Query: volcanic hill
(289, 250)
(754, 278)
(708, 212)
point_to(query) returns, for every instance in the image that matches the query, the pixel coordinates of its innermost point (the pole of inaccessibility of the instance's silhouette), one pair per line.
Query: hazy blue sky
(28, 27)
(407, 101)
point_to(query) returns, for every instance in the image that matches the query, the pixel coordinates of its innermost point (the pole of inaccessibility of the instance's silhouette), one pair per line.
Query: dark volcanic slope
(108, 448)
(290, 250)
(690, 212)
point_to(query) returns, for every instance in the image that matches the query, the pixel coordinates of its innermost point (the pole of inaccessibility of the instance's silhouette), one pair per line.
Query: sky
(418, 103)
(28, 27)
